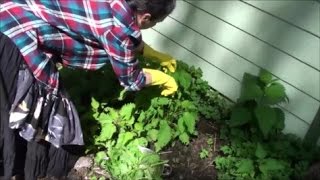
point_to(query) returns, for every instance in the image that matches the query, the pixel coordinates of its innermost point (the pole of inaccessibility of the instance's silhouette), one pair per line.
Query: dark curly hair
(158, 9)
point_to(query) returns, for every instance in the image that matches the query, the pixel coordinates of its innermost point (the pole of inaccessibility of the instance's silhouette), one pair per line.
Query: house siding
(228, 38)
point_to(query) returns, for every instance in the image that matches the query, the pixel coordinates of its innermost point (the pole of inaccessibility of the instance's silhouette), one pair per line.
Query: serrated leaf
(240, 116)
(250, 92)
(204, 153)
(107, 132)
(280, 119)
(249, 79)
(268, 165)
(140, 142)
(260, 152)
(126, 111)
(104, 118)
(114, 115)
(245, 166)
(275, 93)
(94, 104)
(153, 134)
(188, 105)
(227, 150)
(124, 138)
(160, 112)
(150, 158)
(142, 117)
(164, 135)
(100, 156)
(184, 79)
(265, 76)
(163, 101)
(138, 126)
(154, 122)
(181, 127)
(190, 121)
(184, 138)
(266, 117)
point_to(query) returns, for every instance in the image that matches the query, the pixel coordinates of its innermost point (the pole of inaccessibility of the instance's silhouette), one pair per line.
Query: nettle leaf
(184, 138)
(163, 101)
(266, 117)
(188, 105)
(249, 79)
(245, 166)
(189, 121)
(94, 104)
(184, 78)
(100, 156)
(164, 135)
(181, 127)
(124, 138)
(270, 164)
(126, 111)
(142, 117)
(114, 115)
(138, 126)
(240, 116)
(250, 89)
(153, 134)
(160, 112)
(227, 150)
(275, 93)
(104, 118)
(265, 76)
(107, 131)
(280, 119)
(250, 92)
(260, 152)
(150, 158)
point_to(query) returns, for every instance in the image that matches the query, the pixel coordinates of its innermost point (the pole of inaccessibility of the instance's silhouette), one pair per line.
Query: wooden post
(313, 133)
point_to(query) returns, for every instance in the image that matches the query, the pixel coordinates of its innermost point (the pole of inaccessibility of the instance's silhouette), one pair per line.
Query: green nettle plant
(127, 130)
(257, 103)
(255, 147)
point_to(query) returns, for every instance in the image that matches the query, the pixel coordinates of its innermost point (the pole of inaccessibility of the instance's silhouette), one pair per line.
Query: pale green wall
(227, 38)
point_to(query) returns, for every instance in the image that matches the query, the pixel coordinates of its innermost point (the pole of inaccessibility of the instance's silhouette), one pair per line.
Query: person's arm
(122, 53)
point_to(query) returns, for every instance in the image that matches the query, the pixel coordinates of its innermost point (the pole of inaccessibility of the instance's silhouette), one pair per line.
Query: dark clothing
(26, 124)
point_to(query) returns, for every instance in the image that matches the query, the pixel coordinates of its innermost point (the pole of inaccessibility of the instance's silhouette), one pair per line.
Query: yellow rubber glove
(165, 60)
(160, 78)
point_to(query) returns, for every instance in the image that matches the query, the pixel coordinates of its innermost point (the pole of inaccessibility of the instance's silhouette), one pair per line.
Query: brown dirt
(185, 160)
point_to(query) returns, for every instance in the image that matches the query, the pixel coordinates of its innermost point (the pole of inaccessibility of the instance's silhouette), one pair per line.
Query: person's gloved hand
(160, 78)
(165, 60)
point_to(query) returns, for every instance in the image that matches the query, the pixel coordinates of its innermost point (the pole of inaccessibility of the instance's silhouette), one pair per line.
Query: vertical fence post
(313, 133)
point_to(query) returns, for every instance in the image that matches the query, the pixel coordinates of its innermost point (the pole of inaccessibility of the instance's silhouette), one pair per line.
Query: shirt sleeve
(121, 50)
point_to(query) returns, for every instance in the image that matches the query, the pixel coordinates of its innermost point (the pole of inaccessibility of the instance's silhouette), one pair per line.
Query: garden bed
(136, 135)
(185, 161)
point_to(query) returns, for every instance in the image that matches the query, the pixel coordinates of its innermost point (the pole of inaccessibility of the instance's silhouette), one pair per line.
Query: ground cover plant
(256, 148)
(128, 131)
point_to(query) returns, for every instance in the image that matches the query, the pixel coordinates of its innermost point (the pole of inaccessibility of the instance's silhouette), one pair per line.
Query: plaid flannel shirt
(80, 33)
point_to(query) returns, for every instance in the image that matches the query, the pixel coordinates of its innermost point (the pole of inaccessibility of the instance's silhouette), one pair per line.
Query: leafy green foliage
(247, 155)
(256, 103)
(204, 153)
(119, 126)
(254, 146)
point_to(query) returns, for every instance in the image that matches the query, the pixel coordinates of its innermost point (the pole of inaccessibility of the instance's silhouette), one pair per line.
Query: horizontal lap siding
(224, 52)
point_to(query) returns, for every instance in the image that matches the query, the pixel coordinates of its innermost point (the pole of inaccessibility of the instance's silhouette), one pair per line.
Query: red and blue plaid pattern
(80, 33)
